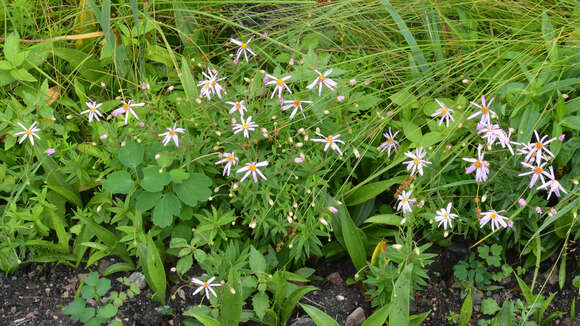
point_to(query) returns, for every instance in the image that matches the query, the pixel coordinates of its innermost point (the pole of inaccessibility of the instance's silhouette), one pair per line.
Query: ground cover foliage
(402, 125)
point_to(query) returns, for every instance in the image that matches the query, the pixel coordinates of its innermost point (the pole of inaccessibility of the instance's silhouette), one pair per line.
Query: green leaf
(388, 219)
(184, 264)
(194, 189)
(293, 299)
(506, 314)
(466, 310)
(370, 190)
(403, 98)
(232, 301)
(119, 182)
(353, 239)
(147, 200)
(378, 317)
(22, 74)
(103, 286)
(178, 175)
(489, 306)
(163, 212)
(260, 302)
(187, 80)
(412, 131)
(131, 155)
(88, 292)
(76, 309)
(107, 312)
(154, 180)
(576, 281)
(572, 122)
(11, 47)
(92, 279)
(319, 317)
(257, 261)
(206, 320)
(152, 265)
(400, 298)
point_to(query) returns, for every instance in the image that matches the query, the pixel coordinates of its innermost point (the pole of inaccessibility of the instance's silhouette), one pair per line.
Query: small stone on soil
(339, 298)
(138, 279)
(335, 278)
(356, 318)
(303, 321)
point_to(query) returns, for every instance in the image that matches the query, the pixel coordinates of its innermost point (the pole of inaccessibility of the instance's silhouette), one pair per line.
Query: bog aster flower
(478, 165)
(296, 104)
(126, 108)
(537, 171)
(93, 110)
(331, 141)
(391, 143)
(29, 133)
(246, 125)
(444, 216)
(252, 168)
(323, 79)
(280, 84)
(553, 184)
(243, 48)
(495, 218)
(484, 111)
(417, 162)
(171, 134)
(238, 106)
(539, 147)
(230, 160)
(206, 286)
(405, 201)
(445, 113)
(210, 85)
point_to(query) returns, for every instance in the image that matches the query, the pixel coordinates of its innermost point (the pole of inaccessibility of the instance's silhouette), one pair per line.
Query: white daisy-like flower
(495, 218)
(539, 147)
(280, 84)
(230, 160)
(323, 79)
(126, 108)
(246, 125)
(240, 107)
(243, 48)
(478, 165)
(93, 111)
(171, 134)
(210, 85)
(484, 111)
(331, 141)
(206, 286)
(405, 201)
(252, 168)
(529, 152)
(444, 216)
(417, 162)
(445, 113)
(494, 133)
(29, 133)
(296, 104)
(391, 143)
(553, 184)
(537, 171)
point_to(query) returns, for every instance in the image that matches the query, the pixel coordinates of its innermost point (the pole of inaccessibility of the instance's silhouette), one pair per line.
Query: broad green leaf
(319, 317)
(194, 190)
(206, 320)
(187, 80)
(489, 306)
(260, 302)
(22, 75)
(131, 155)
(178, 175)
(378, 317)
(118, 267)
(118, 182)
(103, 286)
(431, 138)
(412, 131)
(466, 310)
(232, 301)
(154, 180)
(9, 261)
(293, 299)
(370, 190)
(505, 316)
(184, 264)
(11, 47)
(400, 298)
(572, 122)
(388, 219)
(353, 239)
(166, 208)
(108, 311)
(403, 98)
(147, 200)
(152, 267)
(257, 261)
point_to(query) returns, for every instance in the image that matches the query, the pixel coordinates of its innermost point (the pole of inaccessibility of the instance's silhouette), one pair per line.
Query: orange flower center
(539, 170)
(238, 106)
(484, 110)
(252, 167)
(230, 158)
(321, 77)
(92, 109)
(478, 164)
(207, 85)
(539, 145)
(171, 132)
(444, 111)
(280, 82)
(205, 285)
(296, 103)
(329, 139)
(213, 82)
(245, 126)
(244, 45)
(28, 131)
(390, 140)
(126, 107)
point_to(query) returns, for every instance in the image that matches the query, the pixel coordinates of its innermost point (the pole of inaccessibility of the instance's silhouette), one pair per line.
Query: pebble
(356, 318)
(303, 321)
(335, 278)
(138, 279)
(339, 298)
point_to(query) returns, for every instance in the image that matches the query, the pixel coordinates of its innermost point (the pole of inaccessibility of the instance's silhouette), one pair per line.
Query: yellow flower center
(329, 139)
(296, 103)
(539, 145)
(126, 107)
(416, 160)
(484, 110)
(404, 200)
(390, 140)
(205, 285)
(280, 82)
(446, 216)
(92, 109)
(444, 111)
(478, 164)
(321, 77)
(213, 82)
(207, 85)
(28, 131)
(244, 45)
(230, 158)
(252, 167)
(238, 106)
(171, 132)
(493, 216)
(538, 170)
(245, 126)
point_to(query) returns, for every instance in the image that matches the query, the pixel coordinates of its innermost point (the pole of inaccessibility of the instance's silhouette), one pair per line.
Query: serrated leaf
(11, 47)
(131, 155)
(22, 75)
(106, 312)
(184, 264)
(147, 200)
(154, 180)
(194, 189)
(489, 306)
(257, 261)
(119, 182)
(167, 207)
(178, 175)
(260, 302)
(103, 286)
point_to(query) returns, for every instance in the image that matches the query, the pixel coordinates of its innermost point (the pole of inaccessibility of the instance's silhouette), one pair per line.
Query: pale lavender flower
(522, 202)
(280, 85)
(445, 113)
(93, 111)
(252, 168)
(171, 134)
(417, 162)
(29, 133)
(230, 160)
(495, 218)
(405, 201)
(243, 48)
(331, 141)
(444, 216)
(484, 111)
(247, 124)
(333, 209)
(553, 184)
(127, 108)
(50, 151)
(297, 105)
(478, 165)
(391, 143)
(540, 146)
(206, 286)
(323, 79)
(539, 210)
(239, 107)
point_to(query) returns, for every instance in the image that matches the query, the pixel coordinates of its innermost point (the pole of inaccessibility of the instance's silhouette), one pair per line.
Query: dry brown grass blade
(63, 37)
